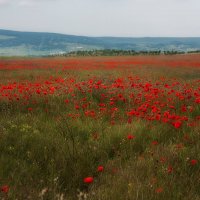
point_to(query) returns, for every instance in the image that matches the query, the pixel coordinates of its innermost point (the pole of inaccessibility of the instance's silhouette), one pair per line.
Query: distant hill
(15, 43)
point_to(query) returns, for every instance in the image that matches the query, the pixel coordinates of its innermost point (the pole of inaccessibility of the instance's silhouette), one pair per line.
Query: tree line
(116, 52)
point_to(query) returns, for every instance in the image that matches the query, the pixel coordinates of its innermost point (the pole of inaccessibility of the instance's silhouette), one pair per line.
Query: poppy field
(100, 128)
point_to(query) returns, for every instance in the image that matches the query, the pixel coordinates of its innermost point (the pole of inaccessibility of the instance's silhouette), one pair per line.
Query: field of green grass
(109, 132)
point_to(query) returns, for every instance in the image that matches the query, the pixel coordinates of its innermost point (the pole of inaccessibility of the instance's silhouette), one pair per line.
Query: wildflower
(198, 117)
(154, 143)
(100, 168)
(77, 107)
(112, 103)
(38, 91)
(169, 169)
(112, 122)
(193, 162)
(177, 124)
(30, 109)
(163, 159)
(52, 89)
(197, 100)
(130, 137)
(5, 188)
(66, 101)
(88, 180)
(183, 108)
(129, 121)
(159, 190)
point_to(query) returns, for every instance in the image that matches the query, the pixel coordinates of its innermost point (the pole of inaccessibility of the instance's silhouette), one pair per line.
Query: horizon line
(105, 36)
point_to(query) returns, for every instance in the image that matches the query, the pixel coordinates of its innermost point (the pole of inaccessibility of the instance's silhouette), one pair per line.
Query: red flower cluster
(90, 179)
(122, 99)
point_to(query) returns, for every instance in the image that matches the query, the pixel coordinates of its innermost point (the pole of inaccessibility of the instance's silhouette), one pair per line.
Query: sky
(124, 18)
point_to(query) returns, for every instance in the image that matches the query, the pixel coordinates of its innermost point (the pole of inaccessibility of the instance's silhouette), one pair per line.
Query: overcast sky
(103, 17)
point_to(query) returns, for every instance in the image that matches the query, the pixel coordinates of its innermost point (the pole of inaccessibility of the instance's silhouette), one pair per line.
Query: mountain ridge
(22, 43)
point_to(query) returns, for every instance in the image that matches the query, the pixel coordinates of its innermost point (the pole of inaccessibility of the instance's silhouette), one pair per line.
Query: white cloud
(22, 2)
(4, 2)
(26, 3)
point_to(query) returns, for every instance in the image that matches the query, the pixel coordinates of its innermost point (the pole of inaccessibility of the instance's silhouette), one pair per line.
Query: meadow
(100, 128)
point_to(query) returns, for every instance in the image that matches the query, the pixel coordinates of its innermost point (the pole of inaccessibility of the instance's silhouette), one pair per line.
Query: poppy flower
(163, 159)
(30, 109)
(66, 101)
(159, 190)
(154, 142)
(88, 180)
(177, 124)
(5, 188)
(193, 162)
(169, 169)
(130, 137)
(100, 168)
(52, 89)
(129, 121)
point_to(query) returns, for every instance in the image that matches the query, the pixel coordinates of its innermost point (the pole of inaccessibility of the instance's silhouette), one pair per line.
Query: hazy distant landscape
(15, 43)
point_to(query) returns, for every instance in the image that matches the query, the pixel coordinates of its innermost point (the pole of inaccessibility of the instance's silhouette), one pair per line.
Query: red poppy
(129, 121)
(67, 101)
(30, 109)
(163, 159)
(88, 180)
(5, 188)
(100, 168)
(159, 190)
(130, 137)
(193, 162)
(177, 124)
(154, 142)
(169, 169)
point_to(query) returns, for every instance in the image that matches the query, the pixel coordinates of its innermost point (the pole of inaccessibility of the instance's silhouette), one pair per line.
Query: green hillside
(15, 43)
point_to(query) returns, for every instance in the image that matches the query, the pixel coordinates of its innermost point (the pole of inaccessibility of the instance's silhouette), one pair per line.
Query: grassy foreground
(113, 133)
